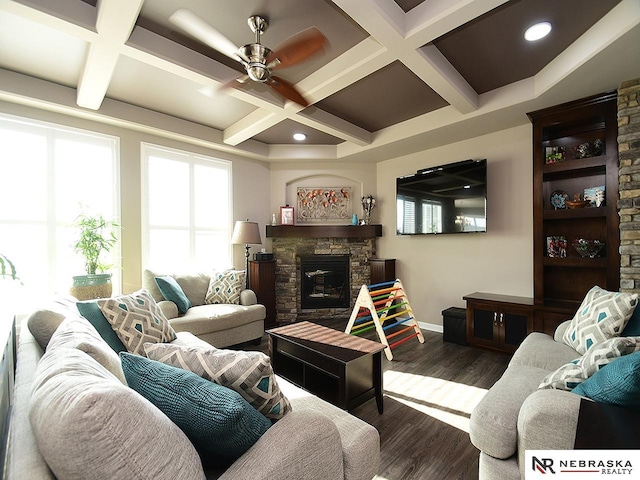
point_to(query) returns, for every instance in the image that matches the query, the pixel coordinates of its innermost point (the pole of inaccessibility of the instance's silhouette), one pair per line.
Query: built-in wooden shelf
(324, 231)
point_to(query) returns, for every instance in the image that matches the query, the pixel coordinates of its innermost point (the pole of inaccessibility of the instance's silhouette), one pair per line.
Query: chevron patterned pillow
(225, 287)
(601, 315)
(248, 373)
(136, 319)
(568, 376)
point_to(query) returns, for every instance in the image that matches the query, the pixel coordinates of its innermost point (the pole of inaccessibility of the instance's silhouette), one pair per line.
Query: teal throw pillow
(618, 383)
(218, 421)
(91, 311)
(173, 292)
(633, 325)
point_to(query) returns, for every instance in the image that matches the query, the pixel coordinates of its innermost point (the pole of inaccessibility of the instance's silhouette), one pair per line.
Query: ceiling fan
(258, 60)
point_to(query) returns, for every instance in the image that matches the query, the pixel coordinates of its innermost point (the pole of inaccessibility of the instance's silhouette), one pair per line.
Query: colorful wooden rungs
(375, 306)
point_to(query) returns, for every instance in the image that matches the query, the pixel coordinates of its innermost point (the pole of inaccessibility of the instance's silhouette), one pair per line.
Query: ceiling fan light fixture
(299, 137)
(537, 31)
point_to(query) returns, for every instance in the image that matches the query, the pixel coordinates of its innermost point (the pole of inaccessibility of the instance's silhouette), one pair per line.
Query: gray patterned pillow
(225, 287)
(137, 319)
(248, 373)
(601, 315)
(568, 376)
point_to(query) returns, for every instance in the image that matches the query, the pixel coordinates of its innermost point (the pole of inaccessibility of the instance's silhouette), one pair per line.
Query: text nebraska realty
(606, 467)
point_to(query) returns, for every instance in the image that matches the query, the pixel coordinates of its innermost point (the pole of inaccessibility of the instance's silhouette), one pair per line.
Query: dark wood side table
(262, 280)
(602, 426)
(342, 369)
(382, 270)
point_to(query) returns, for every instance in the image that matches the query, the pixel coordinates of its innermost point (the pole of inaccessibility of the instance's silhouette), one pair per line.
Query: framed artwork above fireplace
(323, 204)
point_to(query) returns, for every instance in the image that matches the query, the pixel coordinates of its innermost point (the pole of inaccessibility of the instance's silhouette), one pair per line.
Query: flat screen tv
(444, 199)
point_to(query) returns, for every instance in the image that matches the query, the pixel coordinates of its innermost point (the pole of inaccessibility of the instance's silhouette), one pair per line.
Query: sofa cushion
(248, 373)
(136, 319)
(493, 423)
(218, 421)
(203, 319)
(569, 375)
(88, 424)
(194, 285)
(618, 383)
(44, 321)
(225, 287)
(76, 332)
(173, 292)
(91, 311)
(540, 350)
(601, 315)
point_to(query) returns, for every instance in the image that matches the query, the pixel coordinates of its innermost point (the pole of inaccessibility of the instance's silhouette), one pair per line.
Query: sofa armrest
(248, 297)
(169, 309)
(547, 421)
(303, 444)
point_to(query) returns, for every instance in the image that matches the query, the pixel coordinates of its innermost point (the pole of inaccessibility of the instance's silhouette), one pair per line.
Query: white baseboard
(431, 327)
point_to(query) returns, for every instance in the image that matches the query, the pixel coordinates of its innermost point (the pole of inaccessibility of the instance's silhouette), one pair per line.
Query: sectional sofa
(73, 415)
(536, 403)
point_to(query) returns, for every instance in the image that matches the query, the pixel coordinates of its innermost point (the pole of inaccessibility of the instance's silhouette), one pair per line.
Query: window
(406, 215)
(428, 218)
(51, 174)
(187, 210)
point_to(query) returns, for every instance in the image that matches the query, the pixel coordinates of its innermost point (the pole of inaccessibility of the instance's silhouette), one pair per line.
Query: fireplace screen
(325, 281)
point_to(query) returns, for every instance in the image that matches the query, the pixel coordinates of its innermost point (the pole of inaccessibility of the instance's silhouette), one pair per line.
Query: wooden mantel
(324, 231)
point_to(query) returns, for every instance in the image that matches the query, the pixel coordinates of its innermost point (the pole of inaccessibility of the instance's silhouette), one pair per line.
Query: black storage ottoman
(454, 321)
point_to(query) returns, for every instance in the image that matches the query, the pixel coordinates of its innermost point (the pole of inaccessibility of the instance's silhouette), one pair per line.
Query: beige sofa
(316, 440)
(220, 325)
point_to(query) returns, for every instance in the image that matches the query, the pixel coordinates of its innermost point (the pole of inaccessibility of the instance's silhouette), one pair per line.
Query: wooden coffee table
(342, 369)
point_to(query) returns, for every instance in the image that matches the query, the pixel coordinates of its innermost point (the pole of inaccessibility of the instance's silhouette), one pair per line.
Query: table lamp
(246, 233)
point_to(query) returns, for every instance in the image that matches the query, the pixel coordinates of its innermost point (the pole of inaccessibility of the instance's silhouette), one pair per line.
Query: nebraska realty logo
(581, 464)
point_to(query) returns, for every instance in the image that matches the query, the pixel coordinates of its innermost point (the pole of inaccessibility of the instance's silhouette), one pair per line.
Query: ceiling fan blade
(287, 90)
(202, 31)
(297, 48)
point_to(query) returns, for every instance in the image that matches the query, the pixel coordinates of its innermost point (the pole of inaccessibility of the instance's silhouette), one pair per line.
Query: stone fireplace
(293, 245)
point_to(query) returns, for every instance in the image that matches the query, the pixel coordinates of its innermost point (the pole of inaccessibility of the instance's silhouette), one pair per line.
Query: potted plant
(96, 236)
(7, 268)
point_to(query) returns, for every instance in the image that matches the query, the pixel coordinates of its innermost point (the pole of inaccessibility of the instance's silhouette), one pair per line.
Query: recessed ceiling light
(537, 31)
(299, 137)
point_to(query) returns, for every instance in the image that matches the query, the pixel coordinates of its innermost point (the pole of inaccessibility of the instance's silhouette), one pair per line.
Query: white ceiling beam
(251, 125)
(114, 23)
(328, 123)
(358, 62)
(379, 19)
(73, 17)
(434, 18)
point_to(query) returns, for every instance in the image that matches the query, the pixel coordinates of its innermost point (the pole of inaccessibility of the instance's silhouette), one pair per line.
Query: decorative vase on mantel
(368, 203)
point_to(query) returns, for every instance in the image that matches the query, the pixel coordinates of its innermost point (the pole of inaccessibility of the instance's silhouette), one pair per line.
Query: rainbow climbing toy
(383, 307)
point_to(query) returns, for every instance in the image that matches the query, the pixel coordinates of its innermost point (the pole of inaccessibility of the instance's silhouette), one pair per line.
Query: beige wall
(250, 182)
(438, 270)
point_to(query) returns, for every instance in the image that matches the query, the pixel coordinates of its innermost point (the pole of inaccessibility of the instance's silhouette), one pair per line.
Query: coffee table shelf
(337, 367)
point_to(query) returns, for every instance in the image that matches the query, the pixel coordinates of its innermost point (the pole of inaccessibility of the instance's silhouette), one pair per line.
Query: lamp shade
(245, 233)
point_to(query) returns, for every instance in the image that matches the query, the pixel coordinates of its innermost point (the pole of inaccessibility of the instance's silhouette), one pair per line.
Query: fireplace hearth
(324, 281)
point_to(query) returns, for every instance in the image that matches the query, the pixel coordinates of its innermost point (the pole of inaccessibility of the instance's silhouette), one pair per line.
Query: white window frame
(51, 223)
(192, 159)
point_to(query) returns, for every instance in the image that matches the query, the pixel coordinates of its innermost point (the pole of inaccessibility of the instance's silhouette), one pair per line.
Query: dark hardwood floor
(430, 391)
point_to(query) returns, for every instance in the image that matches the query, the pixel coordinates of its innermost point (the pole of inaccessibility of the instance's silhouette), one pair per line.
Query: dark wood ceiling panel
(391, 95)
(491, 52)
(407, 5)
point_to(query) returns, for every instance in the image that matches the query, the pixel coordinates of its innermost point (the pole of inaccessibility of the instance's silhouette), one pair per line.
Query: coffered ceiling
(396, 77)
